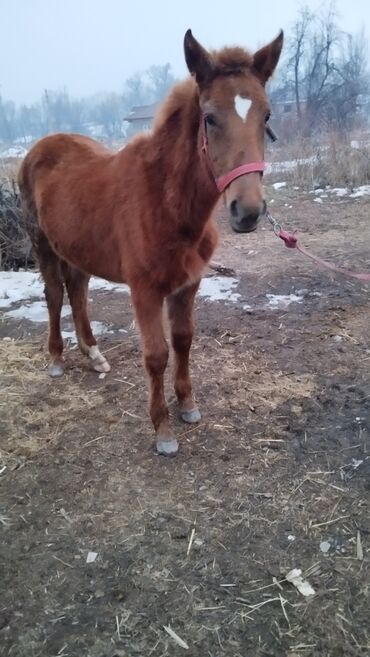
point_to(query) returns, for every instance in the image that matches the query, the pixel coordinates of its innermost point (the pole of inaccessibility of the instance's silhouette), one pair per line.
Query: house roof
(142, 112)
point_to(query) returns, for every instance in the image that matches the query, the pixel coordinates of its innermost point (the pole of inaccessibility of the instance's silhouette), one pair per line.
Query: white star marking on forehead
(242, 106)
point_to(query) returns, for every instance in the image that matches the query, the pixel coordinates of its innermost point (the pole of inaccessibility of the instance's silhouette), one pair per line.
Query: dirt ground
(276, 476)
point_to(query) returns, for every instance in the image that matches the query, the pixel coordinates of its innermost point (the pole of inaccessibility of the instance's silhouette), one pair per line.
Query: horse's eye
(210, 120)
(267, 117)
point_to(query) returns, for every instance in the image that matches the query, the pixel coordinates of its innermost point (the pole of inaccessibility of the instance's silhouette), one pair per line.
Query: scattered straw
(283, 602)
(359, 550)
(63, 562)
(118, 629)
(175, 637)
(191, 539)
(328, 522)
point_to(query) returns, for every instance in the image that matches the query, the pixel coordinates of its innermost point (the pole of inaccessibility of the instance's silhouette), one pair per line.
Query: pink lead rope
(292, 242)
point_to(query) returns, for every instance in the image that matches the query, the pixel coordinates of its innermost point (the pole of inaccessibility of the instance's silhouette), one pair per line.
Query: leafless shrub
(15, 247)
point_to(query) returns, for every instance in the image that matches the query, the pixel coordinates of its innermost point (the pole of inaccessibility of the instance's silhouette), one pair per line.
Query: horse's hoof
(191, 417)
(101, 367)
(167, 447)
(55, 370)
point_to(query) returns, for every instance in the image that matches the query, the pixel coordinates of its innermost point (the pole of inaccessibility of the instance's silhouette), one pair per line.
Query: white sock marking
(99, 362)
(242, 106)
(95, 354)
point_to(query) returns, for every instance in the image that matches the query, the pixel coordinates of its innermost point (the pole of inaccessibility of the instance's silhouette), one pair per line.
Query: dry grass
(34, 411)
(333, 161)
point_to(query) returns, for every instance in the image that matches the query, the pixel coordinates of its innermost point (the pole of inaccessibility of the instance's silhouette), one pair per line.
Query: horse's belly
(100, 259)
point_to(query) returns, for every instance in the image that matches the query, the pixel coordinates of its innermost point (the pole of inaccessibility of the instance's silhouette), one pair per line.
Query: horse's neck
(190, 192)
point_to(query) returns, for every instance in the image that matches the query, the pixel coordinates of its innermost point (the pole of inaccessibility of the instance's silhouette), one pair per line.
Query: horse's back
(54, 150)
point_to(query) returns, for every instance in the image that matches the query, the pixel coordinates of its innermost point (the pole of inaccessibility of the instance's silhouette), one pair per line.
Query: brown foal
(143, 215)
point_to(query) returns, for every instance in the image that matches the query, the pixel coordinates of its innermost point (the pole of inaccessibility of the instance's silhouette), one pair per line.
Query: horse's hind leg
(180, 312)
(77, 283)
(50, 267)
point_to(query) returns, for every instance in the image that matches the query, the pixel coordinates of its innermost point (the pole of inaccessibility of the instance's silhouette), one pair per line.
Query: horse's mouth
(244, 228)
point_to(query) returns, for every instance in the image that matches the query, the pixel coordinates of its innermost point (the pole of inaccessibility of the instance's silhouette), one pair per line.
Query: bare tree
(325, 72)
(161, 80)
(297, 51)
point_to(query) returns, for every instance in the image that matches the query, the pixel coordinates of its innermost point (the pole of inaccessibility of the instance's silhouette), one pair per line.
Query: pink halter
(224, 181)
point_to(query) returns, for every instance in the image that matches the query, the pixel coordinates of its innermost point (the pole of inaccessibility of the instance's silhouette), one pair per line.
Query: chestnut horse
(143, 215)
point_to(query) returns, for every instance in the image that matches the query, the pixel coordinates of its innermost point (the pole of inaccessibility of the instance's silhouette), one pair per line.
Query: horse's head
(234, 111)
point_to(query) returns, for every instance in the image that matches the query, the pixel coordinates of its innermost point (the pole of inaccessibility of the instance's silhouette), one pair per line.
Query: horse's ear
(197, 59)
(266, 59)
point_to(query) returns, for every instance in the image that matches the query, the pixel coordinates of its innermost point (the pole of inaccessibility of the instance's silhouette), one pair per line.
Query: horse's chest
(188, 268)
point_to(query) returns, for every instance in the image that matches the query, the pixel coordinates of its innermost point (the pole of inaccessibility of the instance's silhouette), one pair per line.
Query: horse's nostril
(234, 209)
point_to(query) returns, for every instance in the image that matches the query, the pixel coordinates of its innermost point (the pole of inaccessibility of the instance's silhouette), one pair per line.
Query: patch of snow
(283, 300)
(363, 190)
(98, 328)
(102, 284)
(36, 311)
(219, 288)
(279, 185)
(289, 165)
(24, 285)
(339, 191)
(355, 143)
(19, 286)
(318, 200)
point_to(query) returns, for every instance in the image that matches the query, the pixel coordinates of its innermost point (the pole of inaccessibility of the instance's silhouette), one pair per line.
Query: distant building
(287, 106)
(141, 118)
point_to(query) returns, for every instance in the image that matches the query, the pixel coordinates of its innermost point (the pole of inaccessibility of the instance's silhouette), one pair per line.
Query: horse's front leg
(180, 310)
(149, 312)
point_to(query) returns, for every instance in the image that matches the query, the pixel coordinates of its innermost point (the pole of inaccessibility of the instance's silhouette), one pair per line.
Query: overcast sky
(94, 45)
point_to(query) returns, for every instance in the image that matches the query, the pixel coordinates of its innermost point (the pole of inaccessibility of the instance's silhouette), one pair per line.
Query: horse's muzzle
(245, 220)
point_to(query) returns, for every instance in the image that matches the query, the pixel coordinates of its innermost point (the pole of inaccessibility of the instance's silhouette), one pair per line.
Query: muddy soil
(275, 477)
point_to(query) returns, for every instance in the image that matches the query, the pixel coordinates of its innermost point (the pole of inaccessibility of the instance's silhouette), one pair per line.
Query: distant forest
(323, 76)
